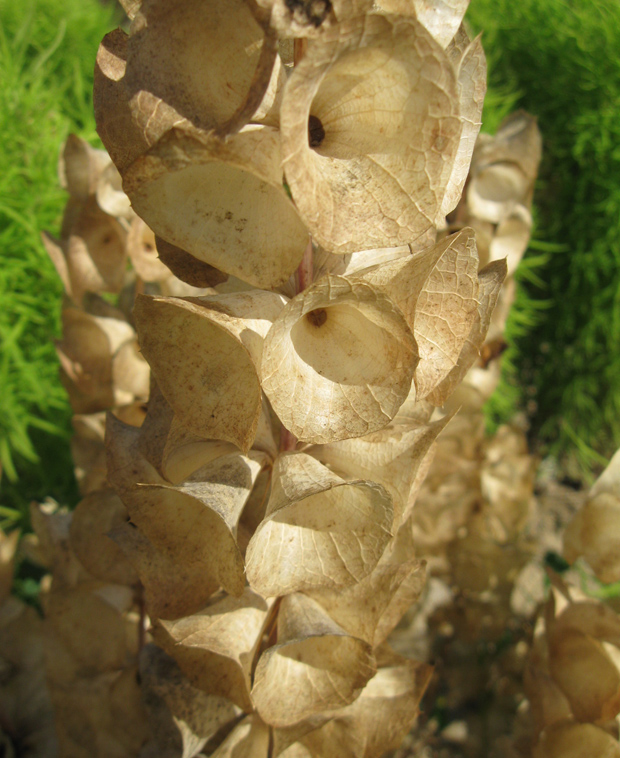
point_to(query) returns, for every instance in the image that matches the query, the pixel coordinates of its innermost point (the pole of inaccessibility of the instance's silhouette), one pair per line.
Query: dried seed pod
(212, 197)
(372, 608)
(110, 195)
(391, 457)
(489, 284)
(205, 354)
(319, 348)
(171, 590)
(199, 517)
(95, 516)
(504, 168)
(380, 717)
(91, 256)
(199, 58)
(437, 291)
(324, 667)
(100, 366)
(173, 69)
(143, 253)
(80, 167)
(471, 68)
(570, 740)
(215, 647)
(318, 531)
(380, 98)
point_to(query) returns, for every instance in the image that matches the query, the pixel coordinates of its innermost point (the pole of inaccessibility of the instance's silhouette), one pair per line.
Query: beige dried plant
(261, 513)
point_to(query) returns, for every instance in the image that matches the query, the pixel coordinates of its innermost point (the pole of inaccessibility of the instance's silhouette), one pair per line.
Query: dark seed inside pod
(309, 12)
(316, 133)
(317, 317)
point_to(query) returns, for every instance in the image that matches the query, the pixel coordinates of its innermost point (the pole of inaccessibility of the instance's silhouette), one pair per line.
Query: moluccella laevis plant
(573, 675)
(270, 488)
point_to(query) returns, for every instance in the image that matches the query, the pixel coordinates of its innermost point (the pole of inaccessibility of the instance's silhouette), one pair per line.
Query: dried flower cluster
(573, 675)
(300, 313)
(271, 486)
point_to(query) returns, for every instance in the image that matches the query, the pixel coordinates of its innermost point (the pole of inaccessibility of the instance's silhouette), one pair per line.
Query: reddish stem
(299, 48)
(304, 270)
(288, 441)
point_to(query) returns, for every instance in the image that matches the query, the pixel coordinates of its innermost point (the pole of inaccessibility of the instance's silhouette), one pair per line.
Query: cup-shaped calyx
(490, 280)
(91, 254)
(215, 647)
(223, 201)
(96, 515)
(204, 353)
(338, 361)
(370, 130)
(100, 364)
(471, 69)
(180, 716)
(437, 291)
(595, 530)
(504, 168)
(371, 608)
(186, 534)
(393, 457)
(318, 530)
(323, 667)
(80, 167)
(185, 61)
(583, 642)
(567, 739)
(378, 719)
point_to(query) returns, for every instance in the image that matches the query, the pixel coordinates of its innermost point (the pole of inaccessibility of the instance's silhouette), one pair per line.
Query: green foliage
(47, 52)
(559, 54)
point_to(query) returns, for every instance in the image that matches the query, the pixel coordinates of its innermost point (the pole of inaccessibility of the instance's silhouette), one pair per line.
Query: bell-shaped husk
(318, 531)
(323, 667)
(181, 717)
(205, 359)
(370, 130)
(573, 740)
(215, 647)
(221, 201)
(338, 361)
(379, 718)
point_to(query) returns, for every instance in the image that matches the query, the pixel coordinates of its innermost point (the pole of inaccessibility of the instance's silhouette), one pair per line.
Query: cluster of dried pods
(270, 488)
(573, 675)
(301, 314)
(307, 325)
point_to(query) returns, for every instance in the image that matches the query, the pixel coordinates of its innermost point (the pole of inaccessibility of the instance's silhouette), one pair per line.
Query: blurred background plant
(556, 58)
(47, 54)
